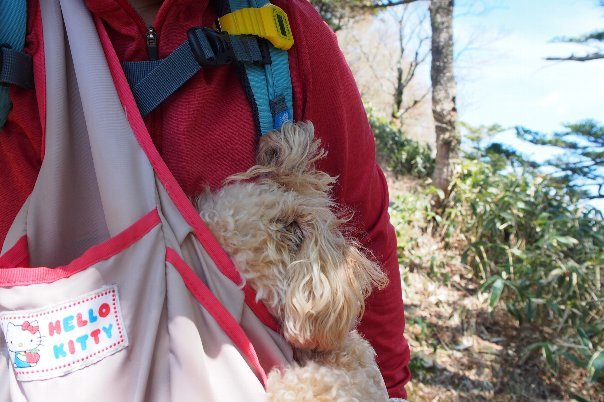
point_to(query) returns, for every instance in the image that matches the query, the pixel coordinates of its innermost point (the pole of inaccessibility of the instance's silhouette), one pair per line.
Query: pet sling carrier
(111, 286)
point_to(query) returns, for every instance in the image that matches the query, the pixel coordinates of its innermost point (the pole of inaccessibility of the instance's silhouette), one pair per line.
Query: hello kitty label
(66, 337)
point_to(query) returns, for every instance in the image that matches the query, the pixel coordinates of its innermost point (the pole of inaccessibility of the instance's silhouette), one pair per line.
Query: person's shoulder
(313, 38)
(297, 7)
(314, 44)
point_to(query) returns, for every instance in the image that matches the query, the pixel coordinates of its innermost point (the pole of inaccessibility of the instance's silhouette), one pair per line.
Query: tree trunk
(443, 91)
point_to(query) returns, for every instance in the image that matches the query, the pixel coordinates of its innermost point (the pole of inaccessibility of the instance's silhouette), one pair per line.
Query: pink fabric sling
(111, 286)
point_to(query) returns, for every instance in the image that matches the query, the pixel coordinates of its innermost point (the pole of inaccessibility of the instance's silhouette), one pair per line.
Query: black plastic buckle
(215, 50)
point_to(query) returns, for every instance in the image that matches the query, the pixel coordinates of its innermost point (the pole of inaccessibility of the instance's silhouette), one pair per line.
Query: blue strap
(154, 81)
(269, 87)
(13, 24)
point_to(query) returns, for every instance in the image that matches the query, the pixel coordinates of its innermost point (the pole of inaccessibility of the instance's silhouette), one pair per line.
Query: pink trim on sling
(260, 309)
(203, 234)
(206, 238)
(222, 316)
(10, 276)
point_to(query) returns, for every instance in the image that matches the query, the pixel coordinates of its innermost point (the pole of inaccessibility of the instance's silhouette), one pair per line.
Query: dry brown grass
(462, 351)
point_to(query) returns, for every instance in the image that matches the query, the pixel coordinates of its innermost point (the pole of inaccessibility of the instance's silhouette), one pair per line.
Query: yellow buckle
(269, 22)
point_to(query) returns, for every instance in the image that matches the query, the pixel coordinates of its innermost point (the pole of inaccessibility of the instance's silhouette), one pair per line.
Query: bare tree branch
(584, 185)
(387, 4)
(410, 37)
(581, 164)
(369, 60)
(414, 103)
(418, 59)
(592, 56)
(599, 194)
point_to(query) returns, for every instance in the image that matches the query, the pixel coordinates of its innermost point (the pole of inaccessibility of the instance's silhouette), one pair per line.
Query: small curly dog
(277, 223)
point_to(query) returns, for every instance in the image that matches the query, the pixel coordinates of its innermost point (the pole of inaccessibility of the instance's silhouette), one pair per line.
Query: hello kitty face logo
(23, 342)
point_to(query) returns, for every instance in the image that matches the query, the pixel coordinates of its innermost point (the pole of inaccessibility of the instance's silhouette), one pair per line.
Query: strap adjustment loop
(16, 68)
(210, 48)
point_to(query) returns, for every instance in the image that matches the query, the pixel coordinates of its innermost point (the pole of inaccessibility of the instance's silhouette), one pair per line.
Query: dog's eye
(293, 236)
(272, 156)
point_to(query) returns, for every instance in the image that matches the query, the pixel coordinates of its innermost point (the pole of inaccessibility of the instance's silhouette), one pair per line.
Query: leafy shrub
(529, 242)
(400, 154)
(534, 248)
(408, 214)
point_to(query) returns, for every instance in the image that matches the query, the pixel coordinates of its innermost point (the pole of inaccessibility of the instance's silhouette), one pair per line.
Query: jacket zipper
(152, 120)
(152, 43)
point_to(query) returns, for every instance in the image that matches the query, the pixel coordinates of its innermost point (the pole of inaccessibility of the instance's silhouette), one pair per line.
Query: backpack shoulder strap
(247, 32)
(268, 87)
(15, 66)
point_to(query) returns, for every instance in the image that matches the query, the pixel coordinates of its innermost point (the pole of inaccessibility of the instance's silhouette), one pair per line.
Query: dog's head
(277, 222)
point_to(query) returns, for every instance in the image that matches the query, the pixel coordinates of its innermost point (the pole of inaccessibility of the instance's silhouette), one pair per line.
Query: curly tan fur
(277, 223)
(346, 374)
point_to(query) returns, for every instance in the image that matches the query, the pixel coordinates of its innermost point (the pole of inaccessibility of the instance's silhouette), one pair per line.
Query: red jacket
(205, 133)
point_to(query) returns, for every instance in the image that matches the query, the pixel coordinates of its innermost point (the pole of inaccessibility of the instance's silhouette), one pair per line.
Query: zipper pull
(152, 43)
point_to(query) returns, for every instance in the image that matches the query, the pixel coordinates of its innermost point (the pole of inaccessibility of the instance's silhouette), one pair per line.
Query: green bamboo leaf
(530, 348)
(513, 286)
(514, 311)
(464, 256)
(496, 291)
(566, 240)
(596, 365)
(550, 357)
(574, 359)
(488, 282)
(577, 397)
(529, 309)
(554, 274)
(517, 252)
(555, 308)
(584, 338)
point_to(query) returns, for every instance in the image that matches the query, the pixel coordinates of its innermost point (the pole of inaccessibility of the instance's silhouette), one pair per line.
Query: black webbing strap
(154, 81)
(16, 68)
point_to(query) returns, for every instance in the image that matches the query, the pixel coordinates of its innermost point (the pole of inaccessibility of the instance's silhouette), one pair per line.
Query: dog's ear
(328, 285)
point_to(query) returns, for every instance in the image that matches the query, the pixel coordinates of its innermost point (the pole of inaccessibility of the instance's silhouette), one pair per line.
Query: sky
(501, 72)
(500, 68)
(502, 76)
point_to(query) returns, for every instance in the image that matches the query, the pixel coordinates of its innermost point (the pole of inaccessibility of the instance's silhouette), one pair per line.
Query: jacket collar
(127, 29)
